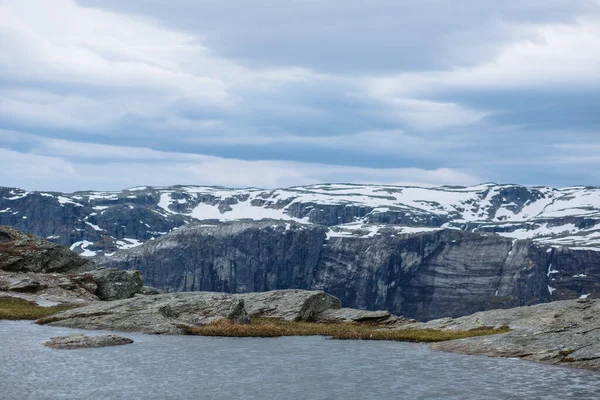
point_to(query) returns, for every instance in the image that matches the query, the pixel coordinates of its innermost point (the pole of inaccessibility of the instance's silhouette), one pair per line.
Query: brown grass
(12, 308)
(341, 331)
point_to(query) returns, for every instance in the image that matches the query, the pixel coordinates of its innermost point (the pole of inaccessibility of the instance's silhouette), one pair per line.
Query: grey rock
(158, 314)
(114, 284)
(149, 290)
(25, 285)
(561, 332)
(84, 341)
(289, 305)
(353, 315)
(21, 252)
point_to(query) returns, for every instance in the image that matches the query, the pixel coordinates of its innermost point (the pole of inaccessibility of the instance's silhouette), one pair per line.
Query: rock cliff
(423, 276)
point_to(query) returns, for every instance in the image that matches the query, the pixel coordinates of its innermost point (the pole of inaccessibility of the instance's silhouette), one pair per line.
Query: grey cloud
(356, 37)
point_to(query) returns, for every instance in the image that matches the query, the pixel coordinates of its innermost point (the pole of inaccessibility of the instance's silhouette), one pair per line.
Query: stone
(149, 290)
(114, 284)
(289, 305)
(85, 341)
(21, 252)
(353, 315)
(157, 314)
(561, 332)
(25, 285)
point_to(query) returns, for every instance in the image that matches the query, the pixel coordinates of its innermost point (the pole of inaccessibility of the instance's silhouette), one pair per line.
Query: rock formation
(422, 276)
(561, 332)
(35, 269)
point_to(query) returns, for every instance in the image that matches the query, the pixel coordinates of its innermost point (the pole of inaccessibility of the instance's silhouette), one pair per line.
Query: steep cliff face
(423, 276)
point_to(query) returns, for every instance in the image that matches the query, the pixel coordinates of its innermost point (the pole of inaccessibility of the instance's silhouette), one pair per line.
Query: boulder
(158, 314)
(83, 341)
(290, 304)
(353, 315)
(114, 284)
(21, 252)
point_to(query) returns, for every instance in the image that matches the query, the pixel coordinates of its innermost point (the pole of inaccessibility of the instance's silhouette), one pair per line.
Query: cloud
(399, 92)
(563, 57)
(70, 166)
(357, 38)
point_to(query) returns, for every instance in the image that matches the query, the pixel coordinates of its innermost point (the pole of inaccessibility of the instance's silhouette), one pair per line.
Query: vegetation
(12, 308)
(342, 331)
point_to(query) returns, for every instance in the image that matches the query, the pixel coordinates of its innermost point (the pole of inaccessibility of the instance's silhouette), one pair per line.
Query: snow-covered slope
(95, 222)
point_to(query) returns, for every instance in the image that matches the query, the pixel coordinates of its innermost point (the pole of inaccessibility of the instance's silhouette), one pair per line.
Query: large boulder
(114, 284)
(159, 314)
(289, 305)
(20, 252)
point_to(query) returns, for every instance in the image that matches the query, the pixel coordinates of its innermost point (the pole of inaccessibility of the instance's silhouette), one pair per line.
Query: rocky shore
(562, 333)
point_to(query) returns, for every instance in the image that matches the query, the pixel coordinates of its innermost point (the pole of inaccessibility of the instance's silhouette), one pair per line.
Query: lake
(193, 367)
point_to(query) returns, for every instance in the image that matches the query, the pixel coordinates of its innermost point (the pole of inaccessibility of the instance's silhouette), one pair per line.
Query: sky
(110, 94)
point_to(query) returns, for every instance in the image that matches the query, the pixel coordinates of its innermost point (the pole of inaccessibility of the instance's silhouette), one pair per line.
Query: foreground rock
(562, 332)
(158, 314)
(289, 305)
(37, 270)
(84, 341)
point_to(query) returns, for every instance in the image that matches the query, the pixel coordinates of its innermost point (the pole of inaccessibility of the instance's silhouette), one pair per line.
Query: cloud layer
(434, 93)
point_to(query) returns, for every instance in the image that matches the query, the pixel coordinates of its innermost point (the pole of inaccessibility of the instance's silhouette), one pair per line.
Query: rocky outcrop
(114, 284)
(561, 332)
(289, 305)
(21, 252)
(158, 314)
(48, 274)
(84, 341)
(422, 276)
(168, 313)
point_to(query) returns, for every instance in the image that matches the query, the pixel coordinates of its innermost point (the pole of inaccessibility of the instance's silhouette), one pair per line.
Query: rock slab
(84, 341)
(562, 332)
(156, 314)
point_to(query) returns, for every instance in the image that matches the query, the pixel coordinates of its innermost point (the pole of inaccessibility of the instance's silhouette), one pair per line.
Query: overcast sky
(109, 94)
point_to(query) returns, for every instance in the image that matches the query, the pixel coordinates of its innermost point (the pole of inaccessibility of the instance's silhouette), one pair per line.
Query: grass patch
(14, 309)
(341, 331)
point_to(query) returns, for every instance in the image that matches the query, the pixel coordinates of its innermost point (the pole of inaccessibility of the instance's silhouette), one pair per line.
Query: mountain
(103, 222)
(420, 252)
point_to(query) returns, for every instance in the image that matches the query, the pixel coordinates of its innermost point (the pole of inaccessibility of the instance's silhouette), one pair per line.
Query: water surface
(193, 367)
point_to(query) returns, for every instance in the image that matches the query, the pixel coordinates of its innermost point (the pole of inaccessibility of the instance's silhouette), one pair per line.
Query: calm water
(188, 367)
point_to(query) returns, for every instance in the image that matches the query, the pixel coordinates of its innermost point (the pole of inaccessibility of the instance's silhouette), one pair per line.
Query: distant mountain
(420, 252)
(95, 223)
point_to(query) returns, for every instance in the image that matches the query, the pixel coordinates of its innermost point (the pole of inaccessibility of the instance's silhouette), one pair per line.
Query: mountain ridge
(99, 223)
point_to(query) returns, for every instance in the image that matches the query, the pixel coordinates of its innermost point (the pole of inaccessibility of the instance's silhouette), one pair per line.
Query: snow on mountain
(103, 222)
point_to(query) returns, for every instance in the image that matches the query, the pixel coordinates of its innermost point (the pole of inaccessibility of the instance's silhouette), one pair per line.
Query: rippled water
(191, 367)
